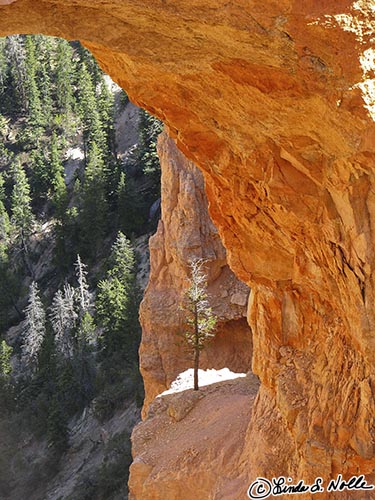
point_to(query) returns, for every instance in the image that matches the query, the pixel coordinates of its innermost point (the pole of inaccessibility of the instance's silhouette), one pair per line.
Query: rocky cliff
(190, 445)
(274, 101)
(186, 232)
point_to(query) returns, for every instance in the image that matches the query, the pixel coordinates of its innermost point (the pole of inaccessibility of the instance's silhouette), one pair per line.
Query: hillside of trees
(69, 291)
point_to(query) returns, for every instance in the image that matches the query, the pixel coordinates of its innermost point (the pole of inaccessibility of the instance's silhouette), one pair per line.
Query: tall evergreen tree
(44, 49)
(16, 56)
(6, 387)
(64, 77)
(5, 153)
(83, 287)
(149, 129)
(89, 111)
(115, 297)
(56, 169)
(40, 181)
(122, 260)
(63, 319)
(3, 67)
(89, 61)
(33, 102)
(94, 211)
(5, 226)
(86, 331)
(10, 285)
(5, 355)
(22, 216)
(34, 329)
(106, 111)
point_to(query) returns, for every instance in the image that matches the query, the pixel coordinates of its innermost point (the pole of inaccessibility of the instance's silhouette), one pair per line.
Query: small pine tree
(122, 259)
(4, 230)
(6, 387)
(33, 103)
(5, 226)
(94, 211)
(86, 331)
(59, 195)
(64, 77)
(92, 126)
(200, 320)
(44, 71)
(83, 287)
(3, 66)
(106, 109)
(10, 287)
(114, 300)
(16, 61)
(149, 129)
(40, 176)
(63, 319)
(5, 355)
(22, 216)
(35, 327)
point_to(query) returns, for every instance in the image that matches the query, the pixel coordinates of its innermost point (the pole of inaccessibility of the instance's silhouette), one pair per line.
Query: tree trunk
(196, 348)
(196, 367)
(25, 255)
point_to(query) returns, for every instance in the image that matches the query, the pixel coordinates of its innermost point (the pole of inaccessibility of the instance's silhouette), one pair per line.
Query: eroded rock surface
(273, 100)
(186, 232)
(195, 456)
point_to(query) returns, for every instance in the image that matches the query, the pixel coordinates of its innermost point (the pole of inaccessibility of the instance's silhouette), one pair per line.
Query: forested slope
(77, 201)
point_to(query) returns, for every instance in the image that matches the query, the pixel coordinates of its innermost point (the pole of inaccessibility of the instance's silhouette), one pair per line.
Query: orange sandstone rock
(274, 101)
(196, 456)
(186, 232)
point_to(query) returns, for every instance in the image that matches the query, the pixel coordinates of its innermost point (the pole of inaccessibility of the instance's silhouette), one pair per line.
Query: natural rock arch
(268, 99)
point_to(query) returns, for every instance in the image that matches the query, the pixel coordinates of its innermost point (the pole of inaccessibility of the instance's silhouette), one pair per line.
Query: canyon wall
(274, 101)
(186, 232)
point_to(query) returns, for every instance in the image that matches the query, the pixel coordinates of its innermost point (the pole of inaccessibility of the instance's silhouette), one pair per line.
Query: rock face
(274, 101)
(186, 232)
(196, 455)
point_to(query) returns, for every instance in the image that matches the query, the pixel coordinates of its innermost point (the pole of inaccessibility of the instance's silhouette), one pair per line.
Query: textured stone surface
(274, 101)
(186, 232)
(196, 455)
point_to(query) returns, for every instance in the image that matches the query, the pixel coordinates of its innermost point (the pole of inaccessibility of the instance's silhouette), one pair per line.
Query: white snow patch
(185, 380)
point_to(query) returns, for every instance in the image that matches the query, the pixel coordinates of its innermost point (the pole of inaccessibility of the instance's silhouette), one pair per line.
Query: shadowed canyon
(275, 103)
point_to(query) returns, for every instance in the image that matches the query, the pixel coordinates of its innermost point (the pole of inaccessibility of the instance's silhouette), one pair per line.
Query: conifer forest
(77, 204)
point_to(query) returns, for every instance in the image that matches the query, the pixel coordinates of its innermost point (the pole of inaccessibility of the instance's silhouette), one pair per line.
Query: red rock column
(185, 232)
